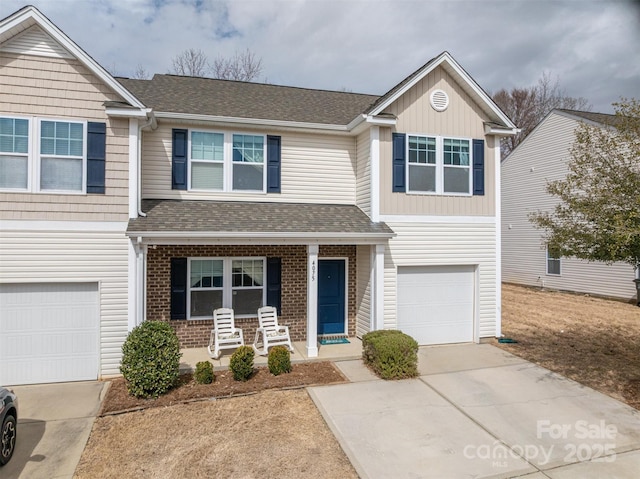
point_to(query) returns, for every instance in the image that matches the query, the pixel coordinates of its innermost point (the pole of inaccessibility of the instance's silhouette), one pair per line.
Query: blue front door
(331, 296)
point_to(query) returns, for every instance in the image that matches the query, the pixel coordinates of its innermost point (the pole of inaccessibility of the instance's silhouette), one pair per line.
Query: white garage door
(48, 332)
(435, 303)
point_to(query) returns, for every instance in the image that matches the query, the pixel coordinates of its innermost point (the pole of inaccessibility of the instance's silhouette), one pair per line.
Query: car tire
(8, 435)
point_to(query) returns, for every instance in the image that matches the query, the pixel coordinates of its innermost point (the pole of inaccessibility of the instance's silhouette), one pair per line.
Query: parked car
(9, 421)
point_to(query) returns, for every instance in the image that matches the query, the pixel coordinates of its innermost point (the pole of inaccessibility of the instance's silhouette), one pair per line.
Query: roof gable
(43, 37)
(468, 84)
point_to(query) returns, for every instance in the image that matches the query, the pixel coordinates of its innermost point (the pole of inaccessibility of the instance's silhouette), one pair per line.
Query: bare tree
(243, 66)
(528, 106)
(191, 62)
(140, 73)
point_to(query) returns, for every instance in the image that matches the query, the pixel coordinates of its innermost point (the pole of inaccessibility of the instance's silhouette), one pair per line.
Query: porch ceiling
(196, 221)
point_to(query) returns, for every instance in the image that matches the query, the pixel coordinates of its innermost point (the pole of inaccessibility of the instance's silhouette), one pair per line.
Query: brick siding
(195, 333)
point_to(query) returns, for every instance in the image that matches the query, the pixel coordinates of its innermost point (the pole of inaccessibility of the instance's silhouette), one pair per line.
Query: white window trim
(439, 165)
(227, 162)
(28, 155)
(227, 283)
(547, 258)
(34, 157)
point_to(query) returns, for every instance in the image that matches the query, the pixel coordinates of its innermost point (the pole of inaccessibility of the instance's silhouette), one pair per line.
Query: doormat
(334, 341)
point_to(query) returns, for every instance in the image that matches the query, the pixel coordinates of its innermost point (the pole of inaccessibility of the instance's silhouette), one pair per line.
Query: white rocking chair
(224, 334)
(271, 332)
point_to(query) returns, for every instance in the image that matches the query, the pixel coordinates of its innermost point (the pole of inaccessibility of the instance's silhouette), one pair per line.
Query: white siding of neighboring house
(363, 172)
(315, 169)
(423, 244)
(540, 158)
(38, 252)
(363, 289)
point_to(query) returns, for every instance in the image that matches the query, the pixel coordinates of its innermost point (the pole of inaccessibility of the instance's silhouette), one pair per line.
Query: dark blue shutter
(399, 162)
(178, 288)
(478, 167)
(274, 288)
(179, 160)
(273, 164)
(96, 156)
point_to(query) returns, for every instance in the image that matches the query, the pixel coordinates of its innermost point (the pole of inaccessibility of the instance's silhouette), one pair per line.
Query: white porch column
(378, 291)
(132, 286)
(312, 300)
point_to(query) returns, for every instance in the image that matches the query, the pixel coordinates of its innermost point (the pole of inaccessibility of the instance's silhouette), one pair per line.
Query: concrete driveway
(477, 411)
(54, 423)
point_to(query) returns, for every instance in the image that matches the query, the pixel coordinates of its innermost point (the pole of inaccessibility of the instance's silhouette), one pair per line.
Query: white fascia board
(31, 14)
(446, 57)
(377, 121)
(163, 237)
(492, 130)
(127, 112)
(298, 125)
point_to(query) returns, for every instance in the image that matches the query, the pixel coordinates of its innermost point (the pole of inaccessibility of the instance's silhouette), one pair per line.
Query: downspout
(153, 124)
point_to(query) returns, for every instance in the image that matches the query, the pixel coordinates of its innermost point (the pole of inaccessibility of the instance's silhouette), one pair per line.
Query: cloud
(369, 46)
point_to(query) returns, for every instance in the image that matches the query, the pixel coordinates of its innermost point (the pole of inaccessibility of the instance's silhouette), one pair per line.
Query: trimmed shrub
(391, 354)
(151, 359)
(204, 373)
(241, 363)
(279, 360)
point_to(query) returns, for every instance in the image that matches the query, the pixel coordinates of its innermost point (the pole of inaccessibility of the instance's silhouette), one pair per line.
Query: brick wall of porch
(195, 333)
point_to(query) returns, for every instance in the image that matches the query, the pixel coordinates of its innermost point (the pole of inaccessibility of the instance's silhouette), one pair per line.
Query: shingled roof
(235, 99)
(227, 218)
(602, 118)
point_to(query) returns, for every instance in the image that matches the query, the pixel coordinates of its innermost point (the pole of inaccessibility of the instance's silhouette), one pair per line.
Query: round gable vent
(439, 100)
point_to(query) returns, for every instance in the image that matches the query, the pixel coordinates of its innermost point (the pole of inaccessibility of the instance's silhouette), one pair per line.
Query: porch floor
(332, 352)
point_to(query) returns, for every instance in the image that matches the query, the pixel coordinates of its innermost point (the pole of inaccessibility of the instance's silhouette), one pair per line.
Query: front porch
(326, 352)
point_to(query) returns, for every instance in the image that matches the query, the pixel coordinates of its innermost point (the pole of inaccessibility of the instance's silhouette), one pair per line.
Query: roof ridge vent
(439, 100)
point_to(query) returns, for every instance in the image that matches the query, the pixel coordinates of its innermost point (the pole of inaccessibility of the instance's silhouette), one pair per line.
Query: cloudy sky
(367, 46)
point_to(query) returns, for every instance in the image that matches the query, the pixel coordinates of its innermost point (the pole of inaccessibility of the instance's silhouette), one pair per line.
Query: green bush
(279, 360)
(391, 354)
(241, 363)
(204, 373)
(151, 359)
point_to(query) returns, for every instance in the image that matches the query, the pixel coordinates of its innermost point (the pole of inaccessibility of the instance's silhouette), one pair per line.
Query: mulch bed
(304, 374)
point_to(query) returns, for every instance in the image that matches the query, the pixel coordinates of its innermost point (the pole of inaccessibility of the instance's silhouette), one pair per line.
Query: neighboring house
(540, 158)
(348, 212)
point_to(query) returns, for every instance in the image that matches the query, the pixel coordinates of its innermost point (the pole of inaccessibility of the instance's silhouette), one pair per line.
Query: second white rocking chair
(271, 332)
(224, 334)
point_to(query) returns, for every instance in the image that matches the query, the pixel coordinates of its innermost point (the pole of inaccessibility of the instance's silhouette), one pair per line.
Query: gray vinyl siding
(363, 289)
(543, 157)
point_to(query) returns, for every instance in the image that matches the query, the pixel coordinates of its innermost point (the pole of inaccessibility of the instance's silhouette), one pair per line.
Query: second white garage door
(49, 332)
(436, 303)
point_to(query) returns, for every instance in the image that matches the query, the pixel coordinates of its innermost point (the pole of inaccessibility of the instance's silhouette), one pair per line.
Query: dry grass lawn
(590, 340)
(269, 434)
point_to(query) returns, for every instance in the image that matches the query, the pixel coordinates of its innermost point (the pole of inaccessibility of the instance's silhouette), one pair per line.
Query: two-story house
(348, 212)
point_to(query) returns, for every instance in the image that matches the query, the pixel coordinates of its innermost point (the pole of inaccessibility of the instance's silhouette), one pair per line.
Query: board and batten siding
(462, 119)
(59, 256)
(314, 169)
(363, 289)
(543, 157)
(425, 244)
(63, 88)
(363, 172)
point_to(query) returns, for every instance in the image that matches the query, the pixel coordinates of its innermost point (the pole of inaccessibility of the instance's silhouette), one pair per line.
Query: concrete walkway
(477, 411)
(54, 423)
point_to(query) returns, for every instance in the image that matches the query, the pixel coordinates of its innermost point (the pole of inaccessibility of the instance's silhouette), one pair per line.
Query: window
(61, 155)
(553, 262)
(236, 283)
(439, 165)
(226, 162)
(43, 155)
(14, 153)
